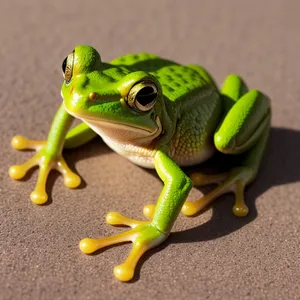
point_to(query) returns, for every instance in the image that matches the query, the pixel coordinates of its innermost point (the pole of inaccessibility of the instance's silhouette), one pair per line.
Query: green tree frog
(158, 114)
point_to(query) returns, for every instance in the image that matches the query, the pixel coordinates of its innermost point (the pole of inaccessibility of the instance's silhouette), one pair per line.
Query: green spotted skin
(176, 80)
(191, 98)
(192, 142)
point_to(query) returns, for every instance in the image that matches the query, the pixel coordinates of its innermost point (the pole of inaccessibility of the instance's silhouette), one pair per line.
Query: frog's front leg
(244, 131)
(49, 153)
(147, 234)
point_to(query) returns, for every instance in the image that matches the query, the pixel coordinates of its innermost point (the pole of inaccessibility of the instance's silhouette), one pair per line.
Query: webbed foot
(143, 235)
(46, 160)
(233, 181)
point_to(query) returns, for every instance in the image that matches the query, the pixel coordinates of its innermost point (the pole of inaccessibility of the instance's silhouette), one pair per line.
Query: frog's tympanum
(158, 114)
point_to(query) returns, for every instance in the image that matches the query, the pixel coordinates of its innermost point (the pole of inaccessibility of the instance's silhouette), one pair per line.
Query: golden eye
(67, 67)
(142, 96)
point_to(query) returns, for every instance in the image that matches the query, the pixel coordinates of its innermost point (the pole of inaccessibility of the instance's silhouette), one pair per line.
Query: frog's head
(115, 101)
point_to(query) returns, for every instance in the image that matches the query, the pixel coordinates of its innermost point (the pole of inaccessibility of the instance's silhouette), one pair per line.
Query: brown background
(212, 256)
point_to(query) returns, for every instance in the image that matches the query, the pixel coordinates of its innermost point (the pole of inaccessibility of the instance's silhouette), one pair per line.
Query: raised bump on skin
(92, 96)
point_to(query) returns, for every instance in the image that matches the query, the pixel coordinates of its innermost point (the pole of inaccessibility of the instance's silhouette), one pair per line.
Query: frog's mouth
(121, 132)
(124, 133)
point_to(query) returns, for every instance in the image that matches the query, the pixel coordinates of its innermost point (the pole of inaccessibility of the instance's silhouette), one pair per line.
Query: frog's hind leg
(243, 131)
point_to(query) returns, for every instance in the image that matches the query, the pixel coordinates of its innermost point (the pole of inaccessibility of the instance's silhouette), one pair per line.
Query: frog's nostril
(92, 96)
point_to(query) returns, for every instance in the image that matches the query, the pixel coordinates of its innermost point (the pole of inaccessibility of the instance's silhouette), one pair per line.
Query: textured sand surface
(212, 256)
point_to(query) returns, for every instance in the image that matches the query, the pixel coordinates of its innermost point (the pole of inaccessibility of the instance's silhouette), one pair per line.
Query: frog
(158, 114)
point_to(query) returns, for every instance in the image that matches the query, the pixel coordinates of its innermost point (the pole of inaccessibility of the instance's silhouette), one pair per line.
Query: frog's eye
(67, 67)
(142, 96)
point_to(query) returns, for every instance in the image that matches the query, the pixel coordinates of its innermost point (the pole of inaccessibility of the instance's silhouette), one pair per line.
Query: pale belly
(144, 156)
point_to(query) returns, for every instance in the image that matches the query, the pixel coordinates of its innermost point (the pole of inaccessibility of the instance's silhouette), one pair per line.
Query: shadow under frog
(281, 165)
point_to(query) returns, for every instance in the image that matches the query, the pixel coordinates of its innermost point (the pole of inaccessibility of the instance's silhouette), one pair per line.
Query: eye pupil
(64, 65)
(142, 96)
(67, 67)
(146, 95)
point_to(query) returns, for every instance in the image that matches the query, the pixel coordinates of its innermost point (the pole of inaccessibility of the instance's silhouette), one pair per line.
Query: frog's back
(177, 80)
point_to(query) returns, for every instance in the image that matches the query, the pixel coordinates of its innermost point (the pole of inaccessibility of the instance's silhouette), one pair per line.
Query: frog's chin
(124, 133)
(121, 132)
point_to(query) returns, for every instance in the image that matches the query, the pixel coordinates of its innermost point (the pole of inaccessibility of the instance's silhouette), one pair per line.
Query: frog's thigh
(79, 136)
(244, 124)
(245, 129)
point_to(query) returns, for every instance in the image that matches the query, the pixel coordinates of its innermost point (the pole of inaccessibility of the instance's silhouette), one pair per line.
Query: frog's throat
(124, 133)
(117, 130)
(119, 125)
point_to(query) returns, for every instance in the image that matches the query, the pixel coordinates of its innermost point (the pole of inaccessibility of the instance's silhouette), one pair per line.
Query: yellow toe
(19, 142)
(114, 218)
(123, 272)
(39, 197)
(189, 209)
(16, 172)
(197, 178)
(88, 246)
(72, 181)
(240, 210)
(148, 211)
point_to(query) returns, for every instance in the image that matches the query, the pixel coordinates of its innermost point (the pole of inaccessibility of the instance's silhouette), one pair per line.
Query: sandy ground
(213, 256)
